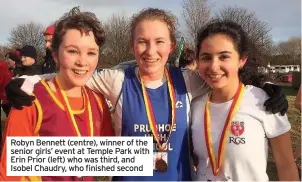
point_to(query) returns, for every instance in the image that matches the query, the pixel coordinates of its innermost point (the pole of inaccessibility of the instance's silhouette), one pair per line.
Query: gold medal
(161, 165)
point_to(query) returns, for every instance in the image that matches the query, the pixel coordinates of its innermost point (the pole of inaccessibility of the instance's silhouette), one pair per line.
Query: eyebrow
(74, 46)
(159, 38)
(222, 52)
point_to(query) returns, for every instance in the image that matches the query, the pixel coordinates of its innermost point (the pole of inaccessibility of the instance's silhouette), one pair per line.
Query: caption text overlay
(79, 156)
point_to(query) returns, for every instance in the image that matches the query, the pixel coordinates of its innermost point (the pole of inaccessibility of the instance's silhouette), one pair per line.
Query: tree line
(195, 13)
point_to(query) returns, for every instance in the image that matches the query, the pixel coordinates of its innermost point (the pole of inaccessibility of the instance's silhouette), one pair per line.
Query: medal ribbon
(150, 113)
(216, 164)
(69, 111)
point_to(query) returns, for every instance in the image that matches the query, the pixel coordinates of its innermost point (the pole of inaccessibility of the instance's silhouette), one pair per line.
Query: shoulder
(255, 95)
(25, 117)
(113, 73)
(188, 73)
(199, 101)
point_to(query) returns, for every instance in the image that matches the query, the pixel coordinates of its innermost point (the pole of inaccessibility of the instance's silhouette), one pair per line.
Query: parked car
(287, 78)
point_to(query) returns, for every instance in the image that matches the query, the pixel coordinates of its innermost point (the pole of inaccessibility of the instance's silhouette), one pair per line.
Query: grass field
(294, 117)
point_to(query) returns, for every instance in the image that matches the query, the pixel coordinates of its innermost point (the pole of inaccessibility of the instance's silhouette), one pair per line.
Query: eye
(205, 58)
(160, 42)
(91, 53)
(141, 42)
(224, 57)
(72, 51)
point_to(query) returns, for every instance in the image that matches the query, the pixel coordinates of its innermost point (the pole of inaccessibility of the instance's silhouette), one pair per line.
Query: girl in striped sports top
(63, 105)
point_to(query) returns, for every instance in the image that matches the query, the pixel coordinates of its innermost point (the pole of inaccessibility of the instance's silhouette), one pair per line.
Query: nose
(214, 64)
(48, 44)
(81, 60)
(151, 49)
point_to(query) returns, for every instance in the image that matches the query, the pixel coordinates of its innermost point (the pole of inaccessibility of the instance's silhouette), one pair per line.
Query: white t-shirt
(110, 82)
(247, 145)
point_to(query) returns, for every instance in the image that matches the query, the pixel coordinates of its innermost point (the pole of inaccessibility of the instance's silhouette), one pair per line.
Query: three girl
(153, 99)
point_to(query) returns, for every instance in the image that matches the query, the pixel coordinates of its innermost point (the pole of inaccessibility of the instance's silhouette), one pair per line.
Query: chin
(216, 84)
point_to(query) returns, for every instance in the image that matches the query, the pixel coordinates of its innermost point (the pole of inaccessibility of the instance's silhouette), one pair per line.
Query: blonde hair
(155, 14)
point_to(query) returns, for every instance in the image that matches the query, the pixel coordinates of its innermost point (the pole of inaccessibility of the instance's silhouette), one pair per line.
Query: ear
(132, 50)
(173, 46)
(242, 62)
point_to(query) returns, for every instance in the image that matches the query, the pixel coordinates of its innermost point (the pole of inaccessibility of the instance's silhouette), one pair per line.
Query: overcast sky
(283, 17)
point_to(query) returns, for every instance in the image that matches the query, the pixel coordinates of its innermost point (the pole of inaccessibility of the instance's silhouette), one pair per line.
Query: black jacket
(28, 70)
(49, 65)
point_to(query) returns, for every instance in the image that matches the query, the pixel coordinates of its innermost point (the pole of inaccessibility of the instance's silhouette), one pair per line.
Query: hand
(15, 96)
(277, 101)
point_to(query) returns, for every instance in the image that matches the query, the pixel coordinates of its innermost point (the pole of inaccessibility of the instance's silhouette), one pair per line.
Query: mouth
(215, 76)
(79, 72)
(150, 60)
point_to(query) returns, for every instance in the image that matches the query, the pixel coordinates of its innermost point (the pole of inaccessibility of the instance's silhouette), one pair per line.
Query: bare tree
(291, 50)
(117, 46)
(196, 14)
(4, 49)
(28, 34)
(260, 40)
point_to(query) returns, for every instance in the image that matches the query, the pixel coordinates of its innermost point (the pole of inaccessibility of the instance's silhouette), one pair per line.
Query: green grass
(294, 117)
(289, 91)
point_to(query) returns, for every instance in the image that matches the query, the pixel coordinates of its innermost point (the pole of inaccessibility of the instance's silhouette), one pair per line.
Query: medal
(70, 113)
(217, 163)
(160, 164)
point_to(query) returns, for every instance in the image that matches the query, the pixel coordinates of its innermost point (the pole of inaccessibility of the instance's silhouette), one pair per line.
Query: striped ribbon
(150, 113)
(69, 111)
(216, 164)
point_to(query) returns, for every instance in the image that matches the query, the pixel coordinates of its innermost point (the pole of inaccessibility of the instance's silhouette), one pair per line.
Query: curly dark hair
(82, 21)
(226, 27)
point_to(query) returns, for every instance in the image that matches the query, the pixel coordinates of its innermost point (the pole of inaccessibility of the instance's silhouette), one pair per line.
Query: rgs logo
(237, 140)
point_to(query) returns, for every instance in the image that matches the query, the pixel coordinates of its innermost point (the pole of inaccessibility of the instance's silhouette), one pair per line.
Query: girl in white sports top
(231, 131)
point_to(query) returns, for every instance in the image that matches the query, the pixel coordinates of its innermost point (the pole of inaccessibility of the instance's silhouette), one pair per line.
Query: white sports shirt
(247, 143)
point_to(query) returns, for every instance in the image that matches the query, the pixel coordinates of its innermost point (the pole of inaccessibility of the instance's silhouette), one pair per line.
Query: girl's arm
(19, 123)
(108, 82)
(284, 158)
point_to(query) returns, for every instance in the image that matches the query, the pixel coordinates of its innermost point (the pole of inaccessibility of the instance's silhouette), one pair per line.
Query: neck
(226, 93)
(146, 77)
(69, 89)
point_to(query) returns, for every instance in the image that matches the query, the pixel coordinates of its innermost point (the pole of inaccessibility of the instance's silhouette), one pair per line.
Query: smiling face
(151, 47)
(77, 58)
(219, 61)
